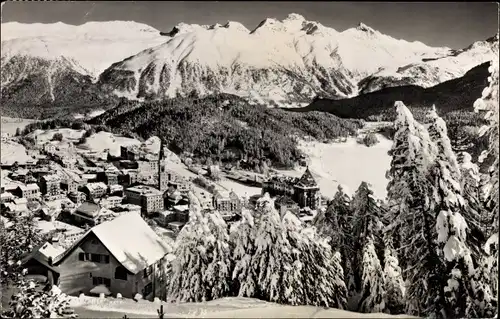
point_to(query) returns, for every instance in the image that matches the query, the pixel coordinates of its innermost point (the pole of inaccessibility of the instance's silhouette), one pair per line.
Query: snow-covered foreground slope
(347, 164)
(221, 308)
(285, 61)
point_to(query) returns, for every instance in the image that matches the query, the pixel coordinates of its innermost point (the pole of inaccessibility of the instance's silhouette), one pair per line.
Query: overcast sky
(455, 25)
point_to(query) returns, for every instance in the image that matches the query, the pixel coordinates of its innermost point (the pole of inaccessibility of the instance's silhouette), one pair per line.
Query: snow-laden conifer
(373, 281)
(201, 269)
(242, 238)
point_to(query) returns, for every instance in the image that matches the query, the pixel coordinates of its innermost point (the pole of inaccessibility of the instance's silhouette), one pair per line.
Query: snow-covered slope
(230, 307)
(283, 61)
(428, 73)
(90, 48)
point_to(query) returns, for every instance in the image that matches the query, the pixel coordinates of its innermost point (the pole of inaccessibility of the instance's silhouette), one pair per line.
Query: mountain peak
(294, 17)
(363, 27)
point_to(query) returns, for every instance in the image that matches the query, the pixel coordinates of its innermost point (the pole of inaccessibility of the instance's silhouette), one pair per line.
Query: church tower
(162, 169)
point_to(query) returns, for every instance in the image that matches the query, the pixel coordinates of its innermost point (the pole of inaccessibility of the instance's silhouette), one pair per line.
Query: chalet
(28, 191)
(124, 254)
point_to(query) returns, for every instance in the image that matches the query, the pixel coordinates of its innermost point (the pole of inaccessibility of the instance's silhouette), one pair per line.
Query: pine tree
(373, 282)
(217, 275)
(272, 255)
(336, 225)
(242, 239)
(474, 211)
(394, 284)
(16, 241)
(367, 215)
(448, 203)
(412, 153)
(488, 105)
(412, 222)
(201, 269)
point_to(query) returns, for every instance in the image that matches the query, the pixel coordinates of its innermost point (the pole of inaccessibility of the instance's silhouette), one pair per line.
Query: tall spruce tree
(368, 248)
(201, 269)
(394, 284)
(337, 225)
(474, 212)
(412, 222)
(242, 239)
(449, 205)
(488, 106)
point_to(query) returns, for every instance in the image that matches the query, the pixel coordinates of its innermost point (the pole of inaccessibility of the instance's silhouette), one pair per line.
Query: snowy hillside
(283, 61)
(434, 71)
(83, 46)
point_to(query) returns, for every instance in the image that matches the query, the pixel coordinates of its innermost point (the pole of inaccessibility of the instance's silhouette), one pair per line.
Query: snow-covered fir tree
(242, 240)
(412, 222)
(272, 253)
(336, 225)
(474, 211)
(368, 245)
(394, 284)
(19, 239)
(218, 273)
(449, 205)
(412, 152)
(318, 260)
(488, 105)
(373, 281)
(201, 269)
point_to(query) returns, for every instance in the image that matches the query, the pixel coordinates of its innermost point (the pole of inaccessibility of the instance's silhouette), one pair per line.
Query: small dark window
(87, 256)
(120, 273)
(95, 258)
(147, 289)
(148, 271)
(81, 256)
(106, 259)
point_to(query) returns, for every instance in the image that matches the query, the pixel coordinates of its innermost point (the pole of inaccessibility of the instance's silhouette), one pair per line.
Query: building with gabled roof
(123, 254)
(304, 190)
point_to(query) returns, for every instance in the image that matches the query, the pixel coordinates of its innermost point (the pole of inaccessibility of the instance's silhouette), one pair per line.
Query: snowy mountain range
(286, 62)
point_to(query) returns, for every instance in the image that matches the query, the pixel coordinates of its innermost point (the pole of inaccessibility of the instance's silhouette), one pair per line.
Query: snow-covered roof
(29, 187)
(307, 180)
(144, 190)
(51, 178)
(131, 241)
(95, 186)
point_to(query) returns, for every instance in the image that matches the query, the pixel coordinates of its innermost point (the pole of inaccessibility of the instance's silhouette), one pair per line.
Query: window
(147, 289)
(101, 281)
(120, 273)
(148, 271)
(81, 256)
(99, 258)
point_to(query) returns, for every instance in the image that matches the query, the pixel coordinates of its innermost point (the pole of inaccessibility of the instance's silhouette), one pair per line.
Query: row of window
(97, 258)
